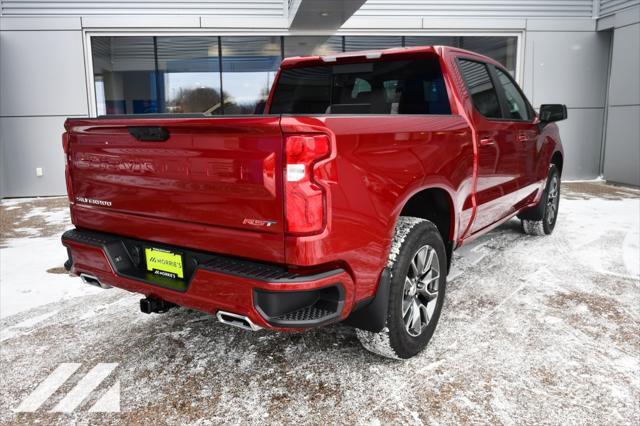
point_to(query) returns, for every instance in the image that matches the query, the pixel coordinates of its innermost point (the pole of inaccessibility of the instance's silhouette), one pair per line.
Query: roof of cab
(297, 61)
(398, 52)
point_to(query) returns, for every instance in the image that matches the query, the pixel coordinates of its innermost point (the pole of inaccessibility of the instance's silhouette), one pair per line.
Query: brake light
(305, 197)
(65, 142)
(67, 166)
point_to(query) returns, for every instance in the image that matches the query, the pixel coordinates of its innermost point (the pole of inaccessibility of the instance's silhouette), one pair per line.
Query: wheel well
(557, 160)
(435, 205)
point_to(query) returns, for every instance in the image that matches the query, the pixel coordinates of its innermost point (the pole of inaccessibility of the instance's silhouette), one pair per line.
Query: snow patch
(631, 252)
(8, 202)
(50, 216)
(18, 329)
(27, 231)
(24, 281)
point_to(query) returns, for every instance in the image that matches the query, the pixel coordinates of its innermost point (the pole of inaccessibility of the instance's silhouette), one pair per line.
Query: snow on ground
(24, 262)
(25, 282)
(535, 330)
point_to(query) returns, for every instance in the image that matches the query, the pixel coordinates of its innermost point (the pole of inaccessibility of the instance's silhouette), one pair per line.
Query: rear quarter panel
(379, 163)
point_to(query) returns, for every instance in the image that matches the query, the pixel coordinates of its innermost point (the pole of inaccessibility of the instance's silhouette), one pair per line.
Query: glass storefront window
(413, 41)
(125, 74)
(355, 43)
(502, 49)
(249, 66)
(230, 75)
(312, 45)
(137, 75)
(190, 70)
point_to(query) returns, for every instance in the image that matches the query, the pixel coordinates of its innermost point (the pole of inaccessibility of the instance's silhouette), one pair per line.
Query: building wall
(607, 7)
(279, 8)
(101, 7)
(475, 8)
(622, 143)
(2, 160)
(41, 83)
(570, 67)
(563, 59)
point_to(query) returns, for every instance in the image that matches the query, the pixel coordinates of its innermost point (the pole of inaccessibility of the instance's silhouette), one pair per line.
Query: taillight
(65, 142)
(305, 198)
(67, 167)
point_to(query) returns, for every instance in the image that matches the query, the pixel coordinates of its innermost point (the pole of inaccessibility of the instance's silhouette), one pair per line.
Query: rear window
(391, 87)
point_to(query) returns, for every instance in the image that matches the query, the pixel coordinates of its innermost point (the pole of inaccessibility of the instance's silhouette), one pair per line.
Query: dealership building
(63, 59)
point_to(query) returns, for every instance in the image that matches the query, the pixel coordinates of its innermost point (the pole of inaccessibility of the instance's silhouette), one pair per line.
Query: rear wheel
(541, 219)
(418, 278)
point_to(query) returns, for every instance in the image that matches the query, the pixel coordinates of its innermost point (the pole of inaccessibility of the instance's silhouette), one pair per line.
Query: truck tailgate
(213, 184)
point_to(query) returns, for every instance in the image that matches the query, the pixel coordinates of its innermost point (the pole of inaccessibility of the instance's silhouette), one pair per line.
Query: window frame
(493, 82)
(504, 103)
(88, 33)
(502, 100)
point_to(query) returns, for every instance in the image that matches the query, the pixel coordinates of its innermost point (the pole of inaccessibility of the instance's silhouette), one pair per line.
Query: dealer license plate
(164, 263)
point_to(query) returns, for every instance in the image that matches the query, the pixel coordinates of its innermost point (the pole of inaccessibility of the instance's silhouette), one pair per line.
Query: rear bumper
(269, 295)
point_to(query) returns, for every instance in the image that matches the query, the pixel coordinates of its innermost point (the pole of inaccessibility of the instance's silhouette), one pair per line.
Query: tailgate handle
(149, 133)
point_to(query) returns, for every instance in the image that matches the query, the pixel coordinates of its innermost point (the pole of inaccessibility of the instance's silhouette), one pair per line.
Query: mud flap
(373, 315)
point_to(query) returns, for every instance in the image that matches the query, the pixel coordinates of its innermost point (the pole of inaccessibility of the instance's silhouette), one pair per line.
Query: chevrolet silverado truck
(343, 201)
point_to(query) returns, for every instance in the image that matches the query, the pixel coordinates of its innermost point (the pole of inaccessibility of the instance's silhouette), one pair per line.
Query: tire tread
(381, 343)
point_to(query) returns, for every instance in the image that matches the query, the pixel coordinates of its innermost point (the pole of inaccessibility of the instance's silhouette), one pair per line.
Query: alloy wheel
(420, 294)
(552, 200)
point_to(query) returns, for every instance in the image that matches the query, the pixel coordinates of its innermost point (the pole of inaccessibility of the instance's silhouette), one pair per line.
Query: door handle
(487, 141)
(523, 138)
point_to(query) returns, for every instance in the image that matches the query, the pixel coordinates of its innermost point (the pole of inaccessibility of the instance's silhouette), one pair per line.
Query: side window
(483, 93)
(517, 106)
(360, 87)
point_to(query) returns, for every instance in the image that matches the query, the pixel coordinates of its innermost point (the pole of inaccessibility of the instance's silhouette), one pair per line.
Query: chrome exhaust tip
(92, 280)
(236, 320)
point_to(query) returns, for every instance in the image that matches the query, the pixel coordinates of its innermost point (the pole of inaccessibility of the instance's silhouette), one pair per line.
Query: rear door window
(390, 87)
(483, 92)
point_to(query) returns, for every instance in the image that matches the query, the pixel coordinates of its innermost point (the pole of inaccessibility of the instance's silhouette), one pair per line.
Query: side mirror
(553, 112)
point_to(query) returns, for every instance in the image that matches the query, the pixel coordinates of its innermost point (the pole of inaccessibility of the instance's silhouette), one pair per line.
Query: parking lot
(534, 330)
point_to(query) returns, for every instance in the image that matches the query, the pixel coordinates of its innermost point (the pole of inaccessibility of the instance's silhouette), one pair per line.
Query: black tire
(541, 219)
(398, 339)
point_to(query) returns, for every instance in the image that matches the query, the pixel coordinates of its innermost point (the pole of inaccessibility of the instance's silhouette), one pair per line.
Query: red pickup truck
(342, 202)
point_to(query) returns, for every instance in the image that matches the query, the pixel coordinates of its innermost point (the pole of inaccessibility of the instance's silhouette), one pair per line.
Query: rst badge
(258, 222)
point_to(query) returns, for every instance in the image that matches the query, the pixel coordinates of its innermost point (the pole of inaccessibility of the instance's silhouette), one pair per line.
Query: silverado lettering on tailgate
(93, 201)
